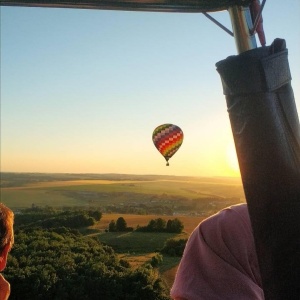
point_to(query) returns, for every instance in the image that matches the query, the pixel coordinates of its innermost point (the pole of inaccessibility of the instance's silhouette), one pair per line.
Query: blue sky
(82, 90)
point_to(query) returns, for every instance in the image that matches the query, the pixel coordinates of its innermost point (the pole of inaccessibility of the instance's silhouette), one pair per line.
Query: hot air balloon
(167, 138)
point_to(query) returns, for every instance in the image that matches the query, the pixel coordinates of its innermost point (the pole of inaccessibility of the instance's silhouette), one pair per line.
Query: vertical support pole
(265, 125)
(241, 24)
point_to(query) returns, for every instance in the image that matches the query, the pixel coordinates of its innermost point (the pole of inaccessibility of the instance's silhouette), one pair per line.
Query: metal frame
(186, 6)
(242, 25)
(243, 29)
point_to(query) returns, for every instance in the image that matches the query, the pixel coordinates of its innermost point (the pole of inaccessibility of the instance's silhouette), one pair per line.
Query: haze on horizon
(82, 91)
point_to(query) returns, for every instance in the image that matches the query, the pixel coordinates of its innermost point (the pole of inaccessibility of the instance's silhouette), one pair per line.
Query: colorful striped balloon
(167, 138)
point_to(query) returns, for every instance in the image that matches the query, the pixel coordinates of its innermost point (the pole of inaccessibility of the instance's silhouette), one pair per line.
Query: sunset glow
(86, 96)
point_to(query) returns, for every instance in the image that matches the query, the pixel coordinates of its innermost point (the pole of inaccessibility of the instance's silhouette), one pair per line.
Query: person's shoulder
(235, 211)
(242, 207)
(228, 220)
(229, 213)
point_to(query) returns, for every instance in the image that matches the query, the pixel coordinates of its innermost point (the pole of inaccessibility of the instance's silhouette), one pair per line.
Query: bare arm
(4, 288)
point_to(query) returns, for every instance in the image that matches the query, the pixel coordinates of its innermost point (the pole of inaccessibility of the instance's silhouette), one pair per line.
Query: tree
(160, 224)
(96, 214)
(169, 225)
(175, 226)
(121, 224)
(156, 260)
(112, 226)
(174, 247)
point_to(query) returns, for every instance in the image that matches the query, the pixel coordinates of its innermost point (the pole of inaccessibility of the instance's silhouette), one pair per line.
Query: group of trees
(119, 225)
(161, 225)
(154, 225)
(62, 264)
(49, 262)
(50, 218)
(174, 247)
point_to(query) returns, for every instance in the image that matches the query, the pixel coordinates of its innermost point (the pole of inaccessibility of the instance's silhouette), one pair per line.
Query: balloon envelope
(167, 138)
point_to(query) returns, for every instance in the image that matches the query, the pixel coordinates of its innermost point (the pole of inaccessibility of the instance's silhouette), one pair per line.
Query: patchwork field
(136, 198)
(134, 190)
(139, 247)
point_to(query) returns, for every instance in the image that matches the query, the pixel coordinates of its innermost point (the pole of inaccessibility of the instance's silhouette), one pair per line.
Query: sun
(232, 159)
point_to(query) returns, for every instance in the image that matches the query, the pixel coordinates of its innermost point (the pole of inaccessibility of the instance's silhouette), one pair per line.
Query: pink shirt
(219, 261)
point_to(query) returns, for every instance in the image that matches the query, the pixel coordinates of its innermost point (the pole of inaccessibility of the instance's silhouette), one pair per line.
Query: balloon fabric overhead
(167, 138)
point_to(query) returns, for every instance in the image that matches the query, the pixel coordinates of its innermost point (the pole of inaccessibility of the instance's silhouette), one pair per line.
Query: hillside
(119, 193)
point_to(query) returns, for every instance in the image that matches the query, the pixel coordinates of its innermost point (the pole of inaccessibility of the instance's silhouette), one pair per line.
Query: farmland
(134, 194)
(137, 198)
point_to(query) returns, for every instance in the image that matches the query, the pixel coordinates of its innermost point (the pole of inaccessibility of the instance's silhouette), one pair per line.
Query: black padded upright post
(265, 126)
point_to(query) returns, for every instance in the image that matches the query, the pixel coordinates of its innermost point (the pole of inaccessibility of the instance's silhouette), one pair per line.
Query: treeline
(51, 218)
(154, 225)
(161, 225)
(62, 264)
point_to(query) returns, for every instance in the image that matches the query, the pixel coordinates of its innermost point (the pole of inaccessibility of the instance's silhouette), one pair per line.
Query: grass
(137, 260)
(168, 269)
(138, 248)
(22, 198)
(135, 242)
(190, 190)
(105, 192)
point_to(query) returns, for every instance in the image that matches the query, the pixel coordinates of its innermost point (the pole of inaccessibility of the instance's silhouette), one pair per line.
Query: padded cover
(266, 131)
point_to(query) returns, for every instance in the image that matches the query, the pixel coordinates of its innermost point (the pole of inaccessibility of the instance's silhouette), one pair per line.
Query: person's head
(6, 233)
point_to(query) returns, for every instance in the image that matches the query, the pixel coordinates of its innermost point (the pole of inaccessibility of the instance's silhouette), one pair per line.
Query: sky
(83, 90)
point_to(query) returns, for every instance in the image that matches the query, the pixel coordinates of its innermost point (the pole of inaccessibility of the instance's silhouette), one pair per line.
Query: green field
(59, 191)
(139, 247)
(137, 242)
(22, 198)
